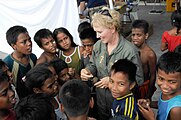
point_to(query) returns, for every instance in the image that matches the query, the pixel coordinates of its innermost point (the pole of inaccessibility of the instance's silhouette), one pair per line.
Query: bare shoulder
(175, 113)
(41, 59)
(148, 52)
(81, 48)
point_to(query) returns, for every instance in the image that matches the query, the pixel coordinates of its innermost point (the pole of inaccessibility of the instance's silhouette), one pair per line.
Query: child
(147, 55)
(35, 107)
(43, 79)
(44, 39)
(169, 81)
(88, 38)
(76, 99)
(22, 59)
(7, 98)
(61, 69)
(172, 38)
(121, 82)
(4, 68)
(69, 51)
(82, 26)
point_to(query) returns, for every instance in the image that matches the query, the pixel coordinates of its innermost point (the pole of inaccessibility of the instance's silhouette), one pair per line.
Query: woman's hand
(103, 83)
(85, 75)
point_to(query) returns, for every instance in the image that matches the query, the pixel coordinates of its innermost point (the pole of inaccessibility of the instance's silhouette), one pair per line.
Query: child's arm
(152, 66)
(175, 113)
(164, 45)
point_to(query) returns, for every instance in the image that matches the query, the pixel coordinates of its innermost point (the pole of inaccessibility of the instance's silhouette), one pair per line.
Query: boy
(88, 38)
(82, 26)
(43, 79)
(61, 69)
(44, 39)
(75, 97)
(7, 98)
(35, 107)
(4, 68)
(169, 81)
(147, 55)
(121, 82)
(22, 59)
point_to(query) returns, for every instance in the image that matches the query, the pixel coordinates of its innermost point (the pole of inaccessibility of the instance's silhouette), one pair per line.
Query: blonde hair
(107, 21)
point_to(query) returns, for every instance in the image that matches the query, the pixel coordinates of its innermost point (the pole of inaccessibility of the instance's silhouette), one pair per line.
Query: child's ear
(36, 90)
(61, 108)
(146, 37)
(14, 46)
(132, 85)
(91, 103)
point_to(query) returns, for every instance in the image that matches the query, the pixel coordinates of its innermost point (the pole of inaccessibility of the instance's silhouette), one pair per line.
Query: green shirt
(100, 63)
(74, 59)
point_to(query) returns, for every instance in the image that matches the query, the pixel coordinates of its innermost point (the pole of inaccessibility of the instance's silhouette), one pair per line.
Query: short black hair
(40, 34)
(3, 77)
(127, 67)
(66, 32)
(13, 33)
(169, 62)
(58, 65)
(34, 107)
(88, 33)
(36, 77)
(143, 24)
(75, 97)
(83, 25)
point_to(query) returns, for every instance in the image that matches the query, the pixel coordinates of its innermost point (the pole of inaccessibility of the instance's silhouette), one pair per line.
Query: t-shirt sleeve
(164, 36)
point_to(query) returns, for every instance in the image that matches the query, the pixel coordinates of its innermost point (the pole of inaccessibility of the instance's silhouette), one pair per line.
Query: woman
(110, 48)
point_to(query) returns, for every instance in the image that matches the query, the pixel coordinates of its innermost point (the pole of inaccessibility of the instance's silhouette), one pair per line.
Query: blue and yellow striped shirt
(126, 106)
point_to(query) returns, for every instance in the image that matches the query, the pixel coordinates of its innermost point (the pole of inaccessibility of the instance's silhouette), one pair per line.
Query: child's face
(88, 45)
(64, 41)
(48, 44)
(119, 84)
(50, 86)
(5, 70)
(170, 84)
(23, 44)
(7, 96)
(138, 36)
(63, 75)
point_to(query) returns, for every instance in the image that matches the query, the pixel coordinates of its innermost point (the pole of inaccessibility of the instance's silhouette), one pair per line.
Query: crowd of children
(122, 74)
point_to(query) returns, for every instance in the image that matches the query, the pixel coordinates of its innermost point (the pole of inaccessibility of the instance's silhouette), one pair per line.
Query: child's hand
(144, 103)
(85, 53)
(145, 109)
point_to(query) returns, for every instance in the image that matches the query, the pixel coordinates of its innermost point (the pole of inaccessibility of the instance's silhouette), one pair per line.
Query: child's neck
(22, 58)
(50, 55)
(142, 46)
(69, 51)
(167, 97)
(18, 55)
(82, 117)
